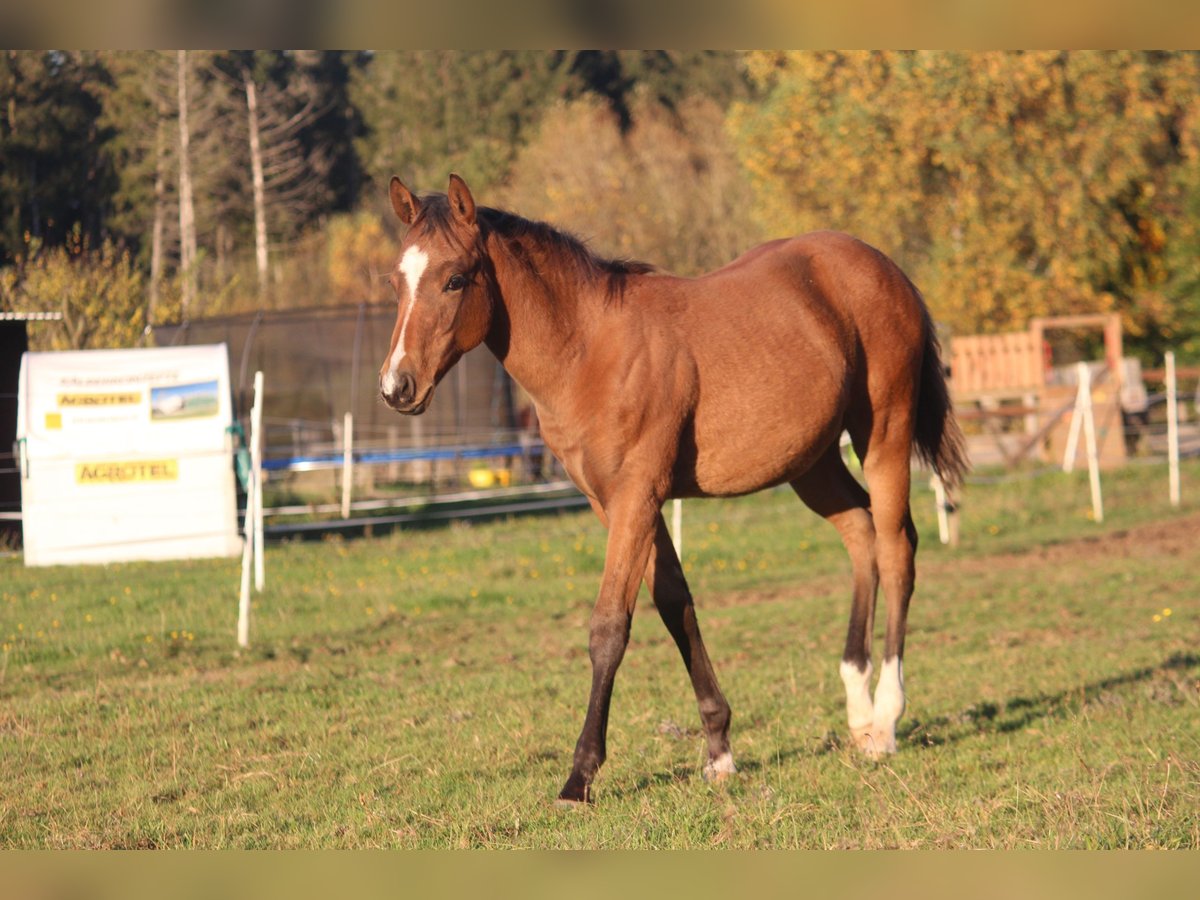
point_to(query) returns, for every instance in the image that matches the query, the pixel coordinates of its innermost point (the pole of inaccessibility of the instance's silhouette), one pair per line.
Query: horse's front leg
(669, 589)
(631, 522)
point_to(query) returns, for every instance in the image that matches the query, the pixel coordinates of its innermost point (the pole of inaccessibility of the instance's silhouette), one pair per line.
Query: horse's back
(826, 294)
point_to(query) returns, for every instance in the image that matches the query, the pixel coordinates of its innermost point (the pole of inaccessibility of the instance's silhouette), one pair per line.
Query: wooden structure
(996, 365)
(996, 379)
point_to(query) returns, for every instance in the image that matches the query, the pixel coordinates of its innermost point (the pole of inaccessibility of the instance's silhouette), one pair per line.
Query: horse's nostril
(406, 388)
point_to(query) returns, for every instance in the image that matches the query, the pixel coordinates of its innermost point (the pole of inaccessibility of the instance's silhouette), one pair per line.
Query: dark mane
(543, 249)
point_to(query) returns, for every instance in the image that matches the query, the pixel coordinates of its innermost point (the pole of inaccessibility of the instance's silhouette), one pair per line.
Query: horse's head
(443, 293)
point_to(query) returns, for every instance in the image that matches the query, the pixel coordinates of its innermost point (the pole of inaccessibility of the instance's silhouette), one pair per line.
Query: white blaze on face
(412, 267)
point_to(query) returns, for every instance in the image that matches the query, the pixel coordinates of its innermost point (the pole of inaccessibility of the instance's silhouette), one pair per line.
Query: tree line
(144, 187)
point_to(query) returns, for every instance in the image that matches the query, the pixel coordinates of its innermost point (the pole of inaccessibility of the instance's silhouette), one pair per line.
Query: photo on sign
(184, 401)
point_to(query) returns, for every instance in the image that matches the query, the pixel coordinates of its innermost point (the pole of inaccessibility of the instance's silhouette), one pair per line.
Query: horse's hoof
(861, 738)
(565, 803)
(719, 769)
(874, 743)
(576, 792)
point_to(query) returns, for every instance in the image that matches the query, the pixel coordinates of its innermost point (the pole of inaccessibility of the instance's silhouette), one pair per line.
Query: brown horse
(650, 386)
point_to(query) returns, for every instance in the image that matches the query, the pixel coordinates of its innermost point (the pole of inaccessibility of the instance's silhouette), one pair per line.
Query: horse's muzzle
(402, 396)
(398, 391)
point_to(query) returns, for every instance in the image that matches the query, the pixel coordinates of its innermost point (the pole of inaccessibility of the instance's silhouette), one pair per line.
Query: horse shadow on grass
(979, 719)
(1018, 713)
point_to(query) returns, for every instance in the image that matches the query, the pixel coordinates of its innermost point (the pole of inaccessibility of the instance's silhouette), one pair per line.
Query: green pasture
(425, 688)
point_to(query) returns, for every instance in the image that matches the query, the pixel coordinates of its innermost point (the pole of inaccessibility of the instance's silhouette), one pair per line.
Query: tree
(167, 114)
(1008, 184)
(1181, 292)
(429, 113)
(253, 202)
(300, 159)
(433, 112)
(98, 290)
(137, 112)
(668, 190)
(187, 212)
(53, 173)
(359, 253)
(328, 141)
(667, 78)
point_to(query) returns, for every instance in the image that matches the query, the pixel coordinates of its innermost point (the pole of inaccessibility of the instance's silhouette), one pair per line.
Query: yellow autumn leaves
(1008, 184)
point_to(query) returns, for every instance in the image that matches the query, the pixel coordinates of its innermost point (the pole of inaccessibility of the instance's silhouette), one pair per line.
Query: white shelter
(126, 455)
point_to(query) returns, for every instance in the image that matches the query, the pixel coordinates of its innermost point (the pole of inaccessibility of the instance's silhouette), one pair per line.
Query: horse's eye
(456, 283)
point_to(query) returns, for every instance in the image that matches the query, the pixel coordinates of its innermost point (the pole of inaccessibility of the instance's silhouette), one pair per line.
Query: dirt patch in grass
(1169, 538)
(1165, 537)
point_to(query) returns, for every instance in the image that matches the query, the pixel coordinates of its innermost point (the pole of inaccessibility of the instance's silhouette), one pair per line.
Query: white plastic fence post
(252, 525)
(347, 462)
(677, 528)
(1073, 430)
(256, 452)
(943, 516)
(1172, 428)
(1089, 433)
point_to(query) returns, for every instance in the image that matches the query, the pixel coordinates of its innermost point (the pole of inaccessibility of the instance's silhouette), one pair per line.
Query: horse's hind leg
(832, 492)
(886, 467)
(668, 587)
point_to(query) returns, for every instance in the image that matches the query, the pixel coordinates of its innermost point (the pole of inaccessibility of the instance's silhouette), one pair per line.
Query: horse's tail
(939, 440)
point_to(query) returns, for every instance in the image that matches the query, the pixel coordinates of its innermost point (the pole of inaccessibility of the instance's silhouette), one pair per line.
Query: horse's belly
(720, 474)
(740, 457)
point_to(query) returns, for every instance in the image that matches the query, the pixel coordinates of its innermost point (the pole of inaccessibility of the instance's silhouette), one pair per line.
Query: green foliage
(328, 140)
(1008, 184)
(441, 111)
(98, 290)
(668, 189)
(668, 78)
(1181, 294)
(308, 126)
(471, 112)
(53, 173)
(360, 254)
(137, 108)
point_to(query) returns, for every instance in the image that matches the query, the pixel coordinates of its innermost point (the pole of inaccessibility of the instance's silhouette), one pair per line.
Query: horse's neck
(539, 329)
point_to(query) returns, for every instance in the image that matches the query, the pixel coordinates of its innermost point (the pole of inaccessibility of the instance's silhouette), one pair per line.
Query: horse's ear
(462, 204)
(404, 202)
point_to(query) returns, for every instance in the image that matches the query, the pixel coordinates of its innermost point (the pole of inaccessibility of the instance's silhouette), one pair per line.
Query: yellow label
(124, 472)
(85, 400)
(53, 421)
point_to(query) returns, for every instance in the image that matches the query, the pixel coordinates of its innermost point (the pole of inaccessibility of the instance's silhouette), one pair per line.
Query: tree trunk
(187, 215)
(160, 214)
(256, 171)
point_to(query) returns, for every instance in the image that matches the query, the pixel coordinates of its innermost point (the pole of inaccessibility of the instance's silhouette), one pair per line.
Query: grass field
(425, 689)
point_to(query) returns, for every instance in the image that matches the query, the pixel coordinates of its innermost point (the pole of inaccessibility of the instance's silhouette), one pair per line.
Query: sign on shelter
(126, 454)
